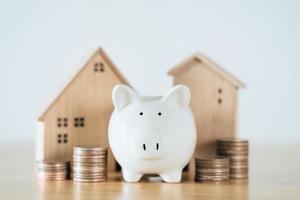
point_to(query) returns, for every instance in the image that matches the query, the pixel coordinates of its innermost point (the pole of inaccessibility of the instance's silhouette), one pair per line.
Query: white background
(41, 44)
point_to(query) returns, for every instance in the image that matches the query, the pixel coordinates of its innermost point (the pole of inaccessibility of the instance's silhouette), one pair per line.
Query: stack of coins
(212, 168)
(52, 170)
(237, 152)
(89, 164)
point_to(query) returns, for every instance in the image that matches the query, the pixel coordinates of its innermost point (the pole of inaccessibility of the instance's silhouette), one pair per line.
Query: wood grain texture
(271, 177)
(87, 96)
(213, 103)
(210, 64)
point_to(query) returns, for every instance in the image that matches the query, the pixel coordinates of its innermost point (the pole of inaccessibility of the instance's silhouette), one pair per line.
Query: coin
(239, 171)
(232, 151)
(239, 176)
(213, 170)
(232, 140)
(52, 170)
(213, 178)
(212, 174)
(90, 150)
(95, 161)
(212, 159)
(237, 150)
(89, 164)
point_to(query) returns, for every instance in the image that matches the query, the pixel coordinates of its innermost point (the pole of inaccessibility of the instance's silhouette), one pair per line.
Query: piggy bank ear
(180, 94)
(122, 96)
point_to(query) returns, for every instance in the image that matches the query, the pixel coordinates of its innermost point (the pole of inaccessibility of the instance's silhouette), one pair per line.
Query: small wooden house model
(80, 113)
(213, 101)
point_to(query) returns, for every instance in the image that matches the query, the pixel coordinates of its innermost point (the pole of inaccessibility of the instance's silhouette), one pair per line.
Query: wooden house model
(213, 101)
(80, 113)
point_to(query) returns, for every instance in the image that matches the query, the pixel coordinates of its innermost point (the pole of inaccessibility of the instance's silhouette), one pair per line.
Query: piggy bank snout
(149, 147)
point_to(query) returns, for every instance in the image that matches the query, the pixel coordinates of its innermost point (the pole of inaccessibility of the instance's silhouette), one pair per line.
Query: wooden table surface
(274, 174)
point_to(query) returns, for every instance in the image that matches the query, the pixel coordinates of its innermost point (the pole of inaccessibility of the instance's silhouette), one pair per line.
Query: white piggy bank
(152, 135)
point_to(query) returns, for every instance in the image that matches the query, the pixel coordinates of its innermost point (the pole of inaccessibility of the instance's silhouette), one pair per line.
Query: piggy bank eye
(141, 113)
(159, 113)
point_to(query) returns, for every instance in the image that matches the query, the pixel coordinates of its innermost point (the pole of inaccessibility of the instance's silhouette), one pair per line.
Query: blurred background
(257, 41)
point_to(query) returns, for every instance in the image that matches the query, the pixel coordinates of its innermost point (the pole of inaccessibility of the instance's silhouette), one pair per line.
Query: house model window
(99, 67)
(79, 122)
(62, 138)
(220, 94)
(62, 122)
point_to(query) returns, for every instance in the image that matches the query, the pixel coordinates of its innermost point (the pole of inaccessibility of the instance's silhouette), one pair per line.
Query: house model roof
(183, 66)
(110, 63)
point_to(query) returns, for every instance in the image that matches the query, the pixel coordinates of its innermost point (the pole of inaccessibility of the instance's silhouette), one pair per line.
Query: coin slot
(157, 146)
(144, 147)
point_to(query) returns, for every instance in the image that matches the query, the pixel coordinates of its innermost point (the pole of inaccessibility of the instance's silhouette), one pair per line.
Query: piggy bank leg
(172, 176)
(131, 176)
